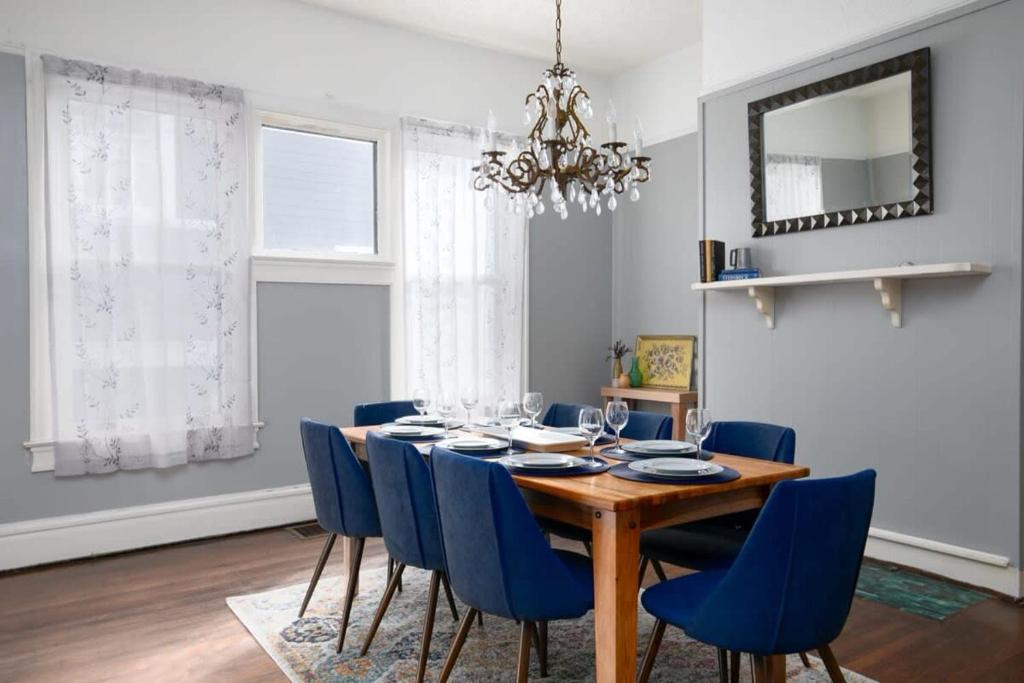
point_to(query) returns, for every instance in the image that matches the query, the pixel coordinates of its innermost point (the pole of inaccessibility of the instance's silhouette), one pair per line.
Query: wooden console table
(678, 400)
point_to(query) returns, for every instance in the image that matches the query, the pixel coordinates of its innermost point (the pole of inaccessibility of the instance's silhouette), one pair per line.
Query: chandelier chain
(558, 31)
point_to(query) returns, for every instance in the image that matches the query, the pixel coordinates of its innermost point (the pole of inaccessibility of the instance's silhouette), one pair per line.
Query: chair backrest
(643, 426)
(342, 494)
(405, 502)
(563, 414)
(381, 413)
(792, 584)
(495, 554)
(752, 439)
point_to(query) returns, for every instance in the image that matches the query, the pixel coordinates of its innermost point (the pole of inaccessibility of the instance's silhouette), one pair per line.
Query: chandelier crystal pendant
(559, 155)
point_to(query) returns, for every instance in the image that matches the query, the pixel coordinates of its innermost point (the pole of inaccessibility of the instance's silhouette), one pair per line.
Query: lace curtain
(148, 259)
(464, 270)
(792, 186)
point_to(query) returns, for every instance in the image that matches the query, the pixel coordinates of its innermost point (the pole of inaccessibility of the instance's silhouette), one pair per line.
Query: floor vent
(307, 530)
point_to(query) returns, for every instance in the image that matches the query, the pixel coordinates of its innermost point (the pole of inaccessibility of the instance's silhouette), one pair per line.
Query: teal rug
(914, 593)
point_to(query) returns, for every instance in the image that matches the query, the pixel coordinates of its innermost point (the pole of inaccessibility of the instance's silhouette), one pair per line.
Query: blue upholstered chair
(497, 559)
(382, 413)
(791, 586)
(643, 426)
(714, 543)
(408, 520)
(563, 415)
(344, 503)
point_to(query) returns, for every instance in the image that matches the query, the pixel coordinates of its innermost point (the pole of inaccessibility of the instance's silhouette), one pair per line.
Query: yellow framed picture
(665, 360)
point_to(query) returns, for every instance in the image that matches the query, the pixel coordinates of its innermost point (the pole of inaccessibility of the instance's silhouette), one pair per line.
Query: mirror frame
(918, 63)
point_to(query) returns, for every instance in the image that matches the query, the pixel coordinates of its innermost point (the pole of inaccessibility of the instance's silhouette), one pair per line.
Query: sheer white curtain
(464, 270)
(148, 269)
(792, 186)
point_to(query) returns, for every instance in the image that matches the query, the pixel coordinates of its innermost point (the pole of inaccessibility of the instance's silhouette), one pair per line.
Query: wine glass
(533, 403)
(446, 406)
(591, 423)
(468, 399)
(698, 424)
(421, 401)
(509, 415)
(617, 415)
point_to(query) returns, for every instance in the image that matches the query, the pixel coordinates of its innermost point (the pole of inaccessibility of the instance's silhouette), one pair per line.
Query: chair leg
(350, 594)
(659, 570)
(448, 594)
(723, 666)
(523, 668)
(803, 658)
(540, 641)
(588, 548)
(652, 652)
(644, 560)
(317, 571)
(385, 601)
(456, 647)
(831, 665)
(428, 625)
(734, 667)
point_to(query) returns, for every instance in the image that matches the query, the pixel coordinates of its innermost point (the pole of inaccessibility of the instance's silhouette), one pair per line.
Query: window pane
(319, 192)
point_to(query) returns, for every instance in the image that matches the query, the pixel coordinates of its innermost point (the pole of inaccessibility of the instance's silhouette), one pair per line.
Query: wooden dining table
(617, 511)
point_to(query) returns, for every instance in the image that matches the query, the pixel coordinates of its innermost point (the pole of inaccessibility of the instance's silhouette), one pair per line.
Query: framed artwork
(665, 360)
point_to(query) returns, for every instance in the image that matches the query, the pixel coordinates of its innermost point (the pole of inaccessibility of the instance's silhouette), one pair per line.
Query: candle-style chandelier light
(559, 153)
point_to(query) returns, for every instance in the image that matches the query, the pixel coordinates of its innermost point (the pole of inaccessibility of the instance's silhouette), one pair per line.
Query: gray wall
(570, 305)
(655, 256)
(314, 359)
(845, 184)
(935, 407)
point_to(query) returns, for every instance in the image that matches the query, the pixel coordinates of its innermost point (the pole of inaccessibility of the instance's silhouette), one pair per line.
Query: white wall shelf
(888, 282)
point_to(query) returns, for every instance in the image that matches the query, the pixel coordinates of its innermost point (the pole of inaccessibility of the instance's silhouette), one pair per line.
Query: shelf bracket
(764, 299)
(891, 291)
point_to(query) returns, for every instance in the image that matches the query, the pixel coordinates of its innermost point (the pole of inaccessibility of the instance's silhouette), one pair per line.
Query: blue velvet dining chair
(408, 520)
(344, 503)
(382, 413)
(790, 588)
(644, 426)
(563, 415)
(714, 543)
(497, 558)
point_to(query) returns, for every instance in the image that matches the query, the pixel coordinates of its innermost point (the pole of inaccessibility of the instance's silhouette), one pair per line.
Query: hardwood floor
(159, 615)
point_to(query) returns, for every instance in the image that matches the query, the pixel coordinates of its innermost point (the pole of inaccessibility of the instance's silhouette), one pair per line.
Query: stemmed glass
(421, 401)
(591, 424)
(617, 415)
(446, 406)
(468, 398)
(509, 415)
(533, 403)
(698, 424)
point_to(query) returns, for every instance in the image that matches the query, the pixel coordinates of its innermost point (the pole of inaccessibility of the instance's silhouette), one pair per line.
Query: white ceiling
(601, 35)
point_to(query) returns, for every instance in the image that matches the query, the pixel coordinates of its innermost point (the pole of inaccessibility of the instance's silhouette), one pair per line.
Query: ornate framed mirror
(853, 148)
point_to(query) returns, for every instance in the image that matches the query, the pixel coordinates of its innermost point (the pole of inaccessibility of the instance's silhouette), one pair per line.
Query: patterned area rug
(304, 648)
(913, 593)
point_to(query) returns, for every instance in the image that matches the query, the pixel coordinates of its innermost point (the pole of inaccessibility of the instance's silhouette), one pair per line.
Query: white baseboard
(974, 567)
(24, 544)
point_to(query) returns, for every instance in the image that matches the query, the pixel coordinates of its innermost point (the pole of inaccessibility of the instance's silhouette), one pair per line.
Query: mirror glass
(846, 150)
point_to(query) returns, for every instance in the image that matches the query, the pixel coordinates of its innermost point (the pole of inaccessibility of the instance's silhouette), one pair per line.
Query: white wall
(662, 92)
(748, 38)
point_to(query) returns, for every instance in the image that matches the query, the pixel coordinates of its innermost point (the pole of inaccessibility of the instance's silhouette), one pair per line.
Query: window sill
(353, 270)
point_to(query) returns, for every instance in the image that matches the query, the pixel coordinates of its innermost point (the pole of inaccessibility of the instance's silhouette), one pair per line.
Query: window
(320, 189)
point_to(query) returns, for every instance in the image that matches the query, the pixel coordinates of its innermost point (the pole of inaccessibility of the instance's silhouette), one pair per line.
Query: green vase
(636, 378)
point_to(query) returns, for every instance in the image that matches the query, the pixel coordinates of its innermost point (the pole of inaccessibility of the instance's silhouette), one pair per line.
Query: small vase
(636, 378)
(616, 368)
(623, 380)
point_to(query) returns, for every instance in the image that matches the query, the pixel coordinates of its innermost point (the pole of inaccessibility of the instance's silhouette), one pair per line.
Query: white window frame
(282, 265)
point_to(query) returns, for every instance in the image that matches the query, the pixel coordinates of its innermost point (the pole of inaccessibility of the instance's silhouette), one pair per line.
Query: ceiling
(600, 35)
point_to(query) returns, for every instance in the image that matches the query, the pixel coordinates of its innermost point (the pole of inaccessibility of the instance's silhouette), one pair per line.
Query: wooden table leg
(678, 422)
(616, 557)
(350, 559)
(770, 669)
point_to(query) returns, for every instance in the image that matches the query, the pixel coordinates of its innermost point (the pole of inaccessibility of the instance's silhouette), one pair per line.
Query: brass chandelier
(559, 154)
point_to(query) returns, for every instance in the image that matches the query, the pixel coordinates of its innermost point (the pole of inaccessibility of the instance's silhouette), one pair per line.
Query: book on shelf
(739, 274)
(712, 259)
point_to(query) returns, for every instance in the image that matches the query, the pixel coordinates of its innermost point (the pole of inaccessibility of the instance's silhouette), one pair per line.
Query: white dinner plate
(684, 468)
(472, 443)
(411, 431)
(660, 447)
(555, 461)
(422, 420)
